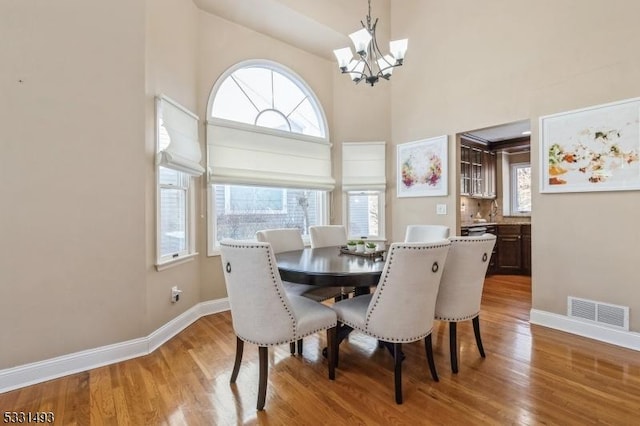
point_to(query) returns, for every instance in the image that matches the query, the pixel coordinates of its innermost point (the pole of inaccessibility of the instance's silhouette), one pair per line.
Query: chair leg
(331, 352)
(236, 365)
(476, 331)
(292, 348)
(428, 347)
(397, 357)
(453, 346)
(262, 381)
(300, 347)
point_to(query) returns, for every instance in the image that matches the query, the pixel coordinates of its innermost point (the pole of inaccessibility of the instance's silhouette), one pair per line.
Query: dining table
(331, 267)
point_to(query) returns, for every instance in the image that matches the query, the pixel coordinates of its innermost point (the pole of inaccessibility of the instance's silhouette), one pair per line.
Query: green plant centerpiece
(360, 246)
(351, 245)
(370, 247)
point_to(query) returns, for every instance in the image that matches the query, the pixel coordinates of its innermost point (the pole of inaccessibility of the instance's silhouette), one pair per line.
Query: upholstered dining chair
(401, 309)
(330, 236)
(262, 313)
(461, 287)
(425, 233)
(327, 235)
(289, 239)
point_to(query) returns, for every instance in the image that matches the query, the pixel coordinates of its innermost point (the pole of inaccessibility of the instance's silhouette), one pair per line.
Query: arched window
(266, 94)
(268, 156)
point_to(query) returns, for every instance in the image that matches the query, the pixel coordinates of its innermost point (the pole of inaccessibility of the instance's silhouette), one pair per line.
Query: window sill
(175, 262)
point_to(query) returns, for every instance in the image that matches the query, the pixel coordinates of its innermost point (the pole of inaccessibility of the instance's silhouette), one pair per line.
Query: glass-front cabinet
(477, 170)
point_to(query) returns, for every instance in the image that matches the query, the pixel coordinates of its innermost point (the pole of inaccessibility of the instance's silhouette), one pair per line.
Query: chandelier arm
(374, 62)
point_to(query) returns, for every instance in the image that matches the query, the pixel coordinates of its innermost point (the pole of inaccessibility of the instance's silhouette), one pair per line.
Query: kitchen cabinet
(526, 249)
(490, 173)
(514, 249)
(477, 171)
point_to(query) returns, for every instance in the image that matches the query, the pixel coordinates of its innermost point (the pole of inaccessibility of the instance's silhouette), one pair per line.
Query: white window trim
(163, 262)
(187, 255)
(514, 189)
(274, 66)
(381, 214)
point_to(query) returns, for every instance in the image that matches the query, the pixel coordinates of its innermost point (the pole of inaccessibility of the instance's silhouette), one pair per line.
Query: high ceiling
(315, 26)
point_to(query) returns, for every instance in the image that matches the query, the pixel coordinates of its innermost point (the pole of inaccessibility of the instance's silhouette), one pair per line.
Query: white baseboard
(41, 371)
(626, 339)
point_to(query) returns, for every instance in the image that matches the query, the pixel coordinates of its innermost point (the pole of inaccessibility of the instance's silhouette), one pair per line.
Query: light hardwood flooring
(531, 375)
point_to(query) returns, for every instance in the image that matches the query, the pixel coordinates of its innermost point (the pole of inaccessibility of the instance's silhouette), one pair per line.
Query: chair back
(402, 307)
(260, 309)
(463, 278)
(426, 233)
(328, 235)
(281, 239)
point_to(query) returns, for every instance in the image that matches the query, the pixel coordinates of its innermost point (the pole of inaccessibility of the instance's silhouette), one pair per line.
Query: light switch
(441, 209)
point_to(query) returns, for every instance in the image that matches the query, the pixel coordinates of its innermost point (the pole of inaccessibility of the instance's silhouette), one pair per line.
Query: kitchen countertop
(475, 224)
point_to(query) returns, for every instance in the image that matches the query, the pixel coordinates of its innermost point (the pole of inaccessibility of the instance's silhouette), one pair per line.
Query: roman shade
(363, 166)
(182, 152)
(248, 155)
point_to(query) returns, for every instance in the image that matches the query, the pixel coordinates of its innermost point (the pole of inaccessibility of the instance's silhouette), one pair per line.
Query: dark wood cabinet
(509, 249)
(526, 249)
(477, 170)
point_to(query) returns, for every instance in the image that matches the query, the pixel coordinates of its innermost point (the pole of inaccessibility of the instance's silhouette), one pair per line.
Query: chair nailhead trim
(274, 282)
(385, 338)
(457, 319)
(382, 287)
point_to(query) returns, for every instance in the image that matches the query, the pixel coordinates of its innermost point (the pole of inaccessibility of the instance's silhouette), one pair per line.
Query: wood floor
(531, 375)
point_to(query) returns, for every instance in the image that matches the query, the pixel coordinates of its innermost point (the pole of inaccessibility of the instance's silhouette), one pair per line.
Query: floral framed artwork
(423, 167)
(591, 149)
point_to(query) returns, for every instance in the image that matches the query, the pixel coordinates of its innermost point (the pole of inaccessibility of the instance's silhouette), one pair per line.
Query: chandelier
(371, 64)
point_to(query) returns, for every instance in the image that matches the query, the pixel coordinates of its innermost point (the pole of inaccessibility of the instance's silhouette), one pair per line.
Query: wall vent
(601, 313)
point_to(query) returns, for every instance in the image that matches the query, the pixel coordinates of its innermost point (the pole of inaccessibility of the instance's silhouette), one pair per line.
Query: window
(255, 200)
(264, 95)
(174, 195)
(241, 211)
(178, 157)
(268, 153)
(521, 189)
(365, 214)
(364, 182)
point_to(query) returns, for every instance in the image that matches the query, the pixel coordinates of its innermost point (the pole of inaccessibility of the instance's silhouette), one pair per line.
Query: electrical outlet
(175, 294)
(441, 209)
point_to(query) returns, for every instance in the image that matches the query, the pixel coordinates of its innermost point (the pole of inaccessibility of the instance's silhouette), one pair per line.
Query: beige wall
(72, 260)
(171, 69)
(500, 61)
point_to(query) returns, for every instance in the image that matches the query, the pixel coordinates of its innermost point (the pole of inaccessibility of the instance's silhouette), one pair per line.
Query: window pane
(286, 94)
(304, 120)
(363, 214)
(273, 120)
(231, 104)
(257, 85)
(241, 211)
(248, 93)
(251, 199)
(523, 188)
(173, 223)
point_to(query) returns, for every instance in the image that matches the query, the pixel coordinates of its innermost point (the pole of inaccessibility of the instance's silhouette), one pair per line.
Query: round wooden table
(329, 267)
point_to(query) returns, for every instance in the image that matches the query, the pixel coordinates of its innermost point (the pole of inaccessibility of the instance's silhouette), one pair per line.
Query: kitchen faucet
(493, 211)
